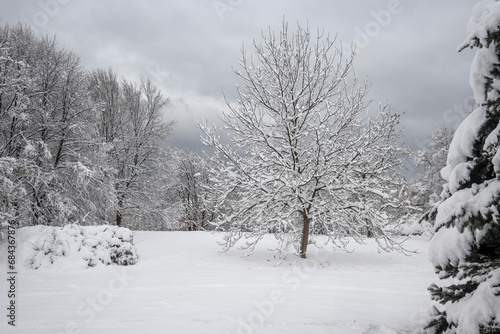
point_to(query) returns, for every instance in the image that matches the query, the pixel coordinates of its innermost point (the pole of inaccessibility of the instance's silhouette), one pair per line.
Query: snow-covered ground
(182, 284)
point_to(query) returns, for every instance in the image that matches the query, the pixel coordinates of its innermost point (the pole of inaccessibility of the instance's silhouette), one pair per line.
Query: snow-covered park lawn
(182, 284)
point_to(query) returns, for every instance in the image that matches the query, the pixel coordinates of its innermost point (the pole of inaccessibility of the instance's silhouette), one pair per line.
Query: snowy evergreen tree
(306, 157)
(465, 249)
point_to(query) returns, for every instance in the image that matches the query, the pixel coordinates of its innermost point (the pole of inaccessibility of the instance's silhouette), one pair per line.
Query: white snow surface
(450, 246)
(462, 145)
(484, 60)
(182, 284)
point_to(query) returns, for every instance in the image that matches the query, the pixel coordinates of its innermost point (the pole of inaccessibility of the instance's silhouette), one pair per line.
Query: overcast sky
(188, 47)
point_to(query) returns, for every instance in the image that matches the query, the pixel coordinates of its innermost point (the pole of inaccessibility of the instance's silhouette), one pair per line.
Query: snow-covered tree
(156, 207)
(306, 157)
(48, 143)
(465, 249)
(132, 125)
(77, 146)
(14, 77)
(432, 159)
(191, 189)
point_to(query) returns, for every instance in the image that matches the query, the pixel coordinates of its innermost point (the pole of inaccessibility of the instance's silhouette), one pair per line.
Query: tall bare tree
(132, 124)
(191, 190)
(306, 158)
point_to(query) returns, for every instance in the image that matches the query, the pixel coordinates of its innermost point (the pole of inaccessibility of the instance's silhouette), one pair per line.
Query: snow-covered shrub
(85, 246)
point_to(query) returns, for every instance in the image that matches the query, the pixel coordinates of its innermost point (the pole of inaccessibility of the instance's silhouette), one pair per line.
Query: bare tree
(76, 147)
(432, 159)
(48, 136)
(191, 189)
(306, 157)
(133, 126)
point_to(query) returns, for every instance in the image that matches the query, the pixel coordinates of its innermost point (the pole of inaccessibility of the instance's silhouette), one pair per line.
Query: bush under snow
(82, 246)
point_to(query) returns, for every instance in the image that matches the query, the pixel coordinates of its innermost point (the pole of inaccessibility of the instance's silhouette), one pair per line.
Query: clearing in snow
(183, 284)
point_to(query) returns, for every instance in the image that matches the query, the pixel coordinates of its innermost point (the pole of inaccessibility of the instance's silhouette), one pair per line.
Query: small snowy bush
(87, 246)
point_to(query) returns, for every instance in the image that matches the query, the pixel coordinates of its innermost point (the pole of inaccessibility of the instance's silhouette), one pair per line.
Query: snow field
(182, 284)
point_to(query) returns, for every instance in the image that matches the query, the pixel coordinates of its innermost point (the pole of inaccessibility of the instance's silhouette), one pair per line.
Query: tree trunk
(119, 214)
(305, 235)
(118, 219)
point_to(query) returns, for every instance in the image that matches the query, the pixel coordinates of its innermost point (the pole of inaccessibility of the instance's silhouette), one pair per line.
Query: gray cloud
(189, 47)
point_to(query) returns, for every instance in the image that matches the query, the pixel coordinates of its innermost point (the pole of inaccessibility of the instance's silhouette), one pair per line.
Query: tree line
(84, 146)
(307, 155)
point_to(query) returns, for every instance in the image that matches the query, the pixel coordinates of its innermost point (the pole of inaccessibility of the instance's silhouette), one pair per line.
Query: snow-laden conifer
(465, 250)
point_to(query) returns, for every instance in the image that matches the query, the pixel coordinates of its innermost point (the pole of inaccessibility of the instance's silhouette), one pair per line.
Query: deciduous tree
(306, 155)
(49, 144)
(133, 126)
